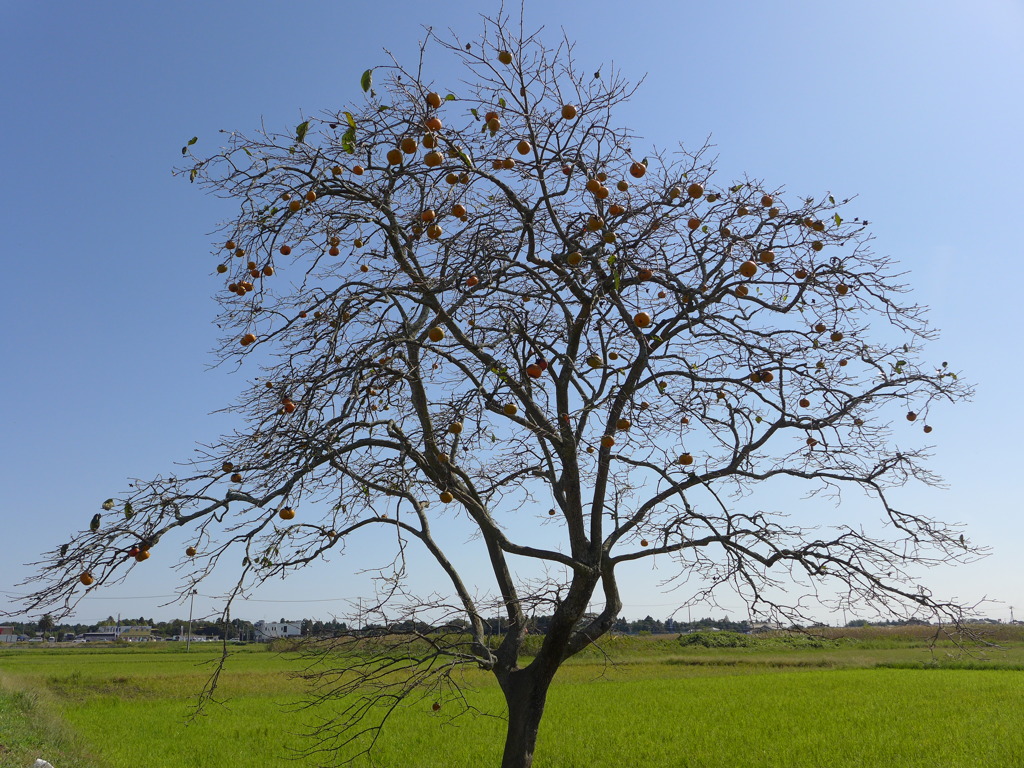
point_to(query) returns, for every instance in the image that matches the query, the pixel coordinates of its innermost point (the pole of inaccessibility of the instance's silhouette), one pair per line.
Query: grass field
(865, 699)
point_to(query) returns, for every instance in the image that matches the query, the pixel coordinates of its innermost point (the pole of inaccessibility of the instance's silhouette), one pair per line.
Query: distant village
(146, 630)
(138, 630)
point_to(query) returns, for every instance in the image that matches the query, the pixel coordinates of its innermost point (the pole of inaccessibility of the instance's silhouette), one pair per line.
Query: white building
(111, 632)
(272, 630)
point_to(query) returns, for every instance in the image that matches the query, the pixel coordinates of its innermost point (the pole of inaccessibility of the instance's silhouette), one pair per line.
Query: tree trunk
(525, 694)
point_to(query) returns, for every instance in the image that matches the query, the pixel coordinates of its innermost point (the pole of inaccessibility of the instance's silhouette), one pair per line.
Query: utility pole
(188, 638)
(1011, 615)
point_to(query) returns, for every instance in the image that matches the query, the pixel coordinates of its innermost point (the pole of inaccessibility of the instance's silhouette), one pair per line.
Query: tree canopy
(484, 303)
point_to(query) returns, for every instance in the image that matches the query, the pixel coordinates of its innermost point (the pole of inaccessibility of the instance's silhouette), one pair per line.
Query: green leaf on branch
(838, 219)
(129, 510)
(348, 141)
(192, 175)
(300, 131)
(366, 81)
(350, 120)
(450, 97)
(193, 140)
(465, 158)
(501, 103)
(474, 113)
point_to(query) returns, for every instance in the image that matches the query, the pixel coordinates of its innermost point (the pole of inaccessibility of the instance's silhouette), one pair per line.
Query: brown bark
(525, 694)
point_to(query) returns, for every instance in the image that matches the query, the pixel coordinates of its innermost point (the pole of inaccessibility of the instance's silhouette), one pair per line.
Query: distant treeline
(540, 624)
(240, 629)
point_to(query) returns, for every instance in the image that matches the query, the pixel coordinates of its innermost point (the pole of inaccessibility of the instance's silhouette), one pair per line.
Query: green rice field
(866, 698)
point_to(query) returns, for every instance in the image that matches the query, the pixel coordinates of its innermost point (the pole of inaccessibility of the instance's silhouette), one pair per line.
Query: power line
(267, 600)
(316, 600)
(97, 597)
(212, 597)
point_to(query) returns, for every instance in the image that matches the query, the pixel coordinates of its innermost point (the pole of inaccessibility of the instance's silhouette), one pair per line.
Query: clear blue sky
(915, 106)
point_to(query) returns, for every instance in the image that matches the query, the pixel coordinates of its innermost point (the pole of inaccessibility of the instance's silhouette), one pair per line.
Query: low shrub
(727, 639)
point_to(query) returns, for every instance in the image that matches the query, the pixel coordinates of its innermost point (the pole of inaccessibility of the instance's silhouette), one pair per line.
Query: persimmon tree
(489, 310)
